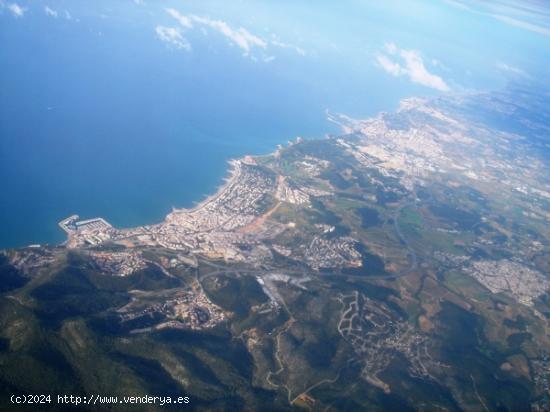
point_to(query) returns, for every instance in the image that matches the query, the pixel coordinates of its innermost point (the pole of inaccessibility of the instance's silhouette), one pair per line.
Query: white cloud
(510, 14)
(240, 37)
(458, 5)
(511, 69)
(172, 36)
(409, 63)
(50, 12)
(391, 67)
(522, 24)
(16, 9)
(419, 74)
(282, 45)
(391, 48)
(183, 20)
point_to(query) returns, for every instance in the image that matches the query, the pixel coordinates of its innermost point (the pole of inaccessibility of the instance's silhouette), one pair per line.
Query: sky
(377, 48)
(125, 108)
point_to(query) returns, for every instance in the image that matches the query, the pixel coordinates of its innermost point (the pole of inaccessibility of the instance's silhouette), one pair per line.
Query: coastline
(227, 180)
(233, 173)
(230, 177)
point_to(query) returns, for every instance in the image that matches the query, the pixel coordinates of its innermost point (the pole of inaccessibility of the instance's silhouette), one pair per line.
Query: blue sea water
(99, 117)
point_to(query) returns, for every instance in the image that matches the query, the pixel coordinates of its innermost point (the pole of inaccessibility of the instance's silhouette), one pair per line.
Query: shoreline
(153, 219)
(232, 175)
(231, 178)
(188, 193)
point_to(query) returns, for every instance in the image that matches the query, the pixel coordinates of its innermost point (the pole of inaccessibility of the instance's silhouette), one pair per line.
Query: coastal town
(203, 229)
(232, 225)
